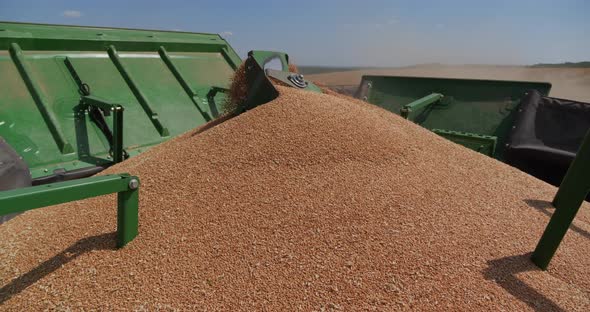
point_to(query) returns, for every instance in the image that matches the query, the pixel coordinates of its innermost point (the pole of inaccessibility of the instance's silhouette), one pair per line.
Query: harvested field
(569, 83)
(310, 202)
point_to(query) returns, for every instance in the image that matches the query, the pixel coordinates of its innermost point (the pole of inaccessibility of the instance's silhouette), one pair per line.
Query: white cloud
(71, 14)
(226, 34)
(386, 24)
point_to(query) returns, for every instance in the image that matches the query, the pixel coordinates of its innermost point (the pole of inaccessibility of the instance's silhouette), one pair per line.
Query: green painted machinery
(59, 85)
(478, 114)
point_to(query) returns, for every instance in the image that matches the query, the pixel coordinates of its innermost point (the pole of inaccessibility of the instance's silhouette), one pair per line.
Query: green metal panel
(160, 78)
(482, 107)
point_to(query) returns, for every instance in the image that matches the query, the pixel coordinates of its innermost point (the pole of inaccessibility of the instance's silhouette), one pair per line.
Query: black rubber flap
(260, 88)
(14, 172)
(546, 135)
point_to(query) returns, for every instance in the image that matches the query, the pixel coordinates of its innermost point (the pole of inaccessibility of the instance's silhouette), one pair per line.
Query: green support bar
(407, 110)
(178, 75)
(571, 194)
(117, 111)
(138, 94)
(127, 187)
(19, 60)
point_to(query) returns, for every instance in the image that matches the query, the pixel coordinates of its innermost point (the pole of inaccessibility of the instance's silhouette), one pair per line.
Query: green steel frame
(117, 111)
(571, 194)
(126, 187)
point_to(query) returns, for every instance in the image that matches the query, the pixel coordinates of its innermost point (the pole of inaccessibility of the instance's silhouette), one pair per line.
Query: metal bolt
(133, 184)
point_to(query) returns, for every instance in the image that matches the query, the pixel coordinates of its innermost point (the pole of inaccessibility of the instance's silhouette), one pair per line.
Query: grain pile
(310, 202)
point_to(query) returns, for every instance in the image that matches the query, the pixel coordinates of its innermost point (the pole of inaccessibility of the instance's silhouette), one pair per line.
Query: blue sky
(351, 33)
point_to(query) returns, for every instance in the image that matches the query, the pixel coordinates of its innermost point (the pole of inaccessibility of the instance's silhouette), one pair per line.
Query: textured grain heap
(310, 202)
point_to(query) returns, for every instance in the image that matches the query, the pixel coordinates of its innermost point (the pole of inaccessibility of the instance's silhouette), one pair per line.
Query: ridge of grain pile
(309, 202)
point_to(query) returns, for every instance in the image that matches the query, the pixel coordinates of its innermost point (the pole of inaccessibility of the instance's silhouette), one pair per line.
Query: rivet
(133, 184)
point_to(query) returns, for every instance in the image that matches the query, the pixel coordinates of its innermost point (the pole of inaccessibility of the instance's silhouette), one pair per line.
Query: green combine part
(476, 108)
(166, 83)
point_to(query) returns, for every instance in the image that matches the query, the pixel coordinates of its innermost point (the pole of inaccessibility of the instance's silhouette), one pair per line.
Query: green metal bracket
(117, 111)
(126, 187)
(484, 144)
(19, 60)
(407, 110)
(137, 92)
(263, 57)
(211, 99)
(571, 194)
(284, 75)
(293, 79)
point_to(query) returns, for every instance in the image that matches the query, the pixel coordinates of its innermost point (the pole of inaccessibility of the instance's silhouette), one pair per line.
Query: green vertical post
(128, 213)
(571, 194)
